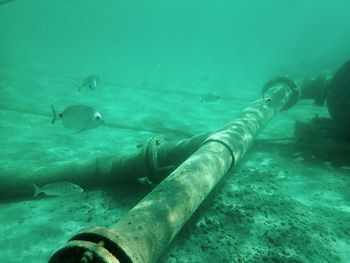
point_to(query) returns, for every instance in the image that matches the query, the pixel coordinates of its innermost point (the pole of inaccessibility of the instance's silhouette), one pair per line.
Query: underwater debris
(58, 189)
(209, 97)
(80, 117)
(338, 99)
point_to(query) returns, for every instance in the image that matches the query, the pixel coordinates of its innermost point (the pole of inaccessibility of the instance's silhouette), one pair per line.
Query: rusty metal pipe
(156, 159)
(143, 234)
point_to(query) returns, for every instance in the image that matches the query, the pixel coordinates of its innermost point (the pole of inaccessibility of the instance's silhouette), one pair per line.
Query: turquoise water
(156, 59)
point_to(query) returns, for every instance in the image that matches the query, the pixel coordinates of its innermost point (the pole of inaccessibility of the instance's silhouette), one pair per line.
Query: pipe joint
(151, 151)
(229, 148)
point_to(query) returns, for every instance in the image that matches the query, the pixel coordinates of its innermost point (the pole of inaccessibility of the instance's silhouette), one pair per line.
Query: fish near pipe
(148, 228)
(143, 234)
(156, 159)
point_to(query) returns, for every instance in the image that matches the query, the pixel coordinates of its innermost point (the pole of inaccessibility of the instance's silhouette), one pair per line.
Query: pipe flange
(83, 251)
(295, 93)
(155, 172)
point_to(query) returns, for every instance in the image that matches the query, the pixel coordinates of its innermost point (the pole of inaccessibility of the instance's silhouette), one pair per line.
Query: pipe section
(143, 234)
(156, 159)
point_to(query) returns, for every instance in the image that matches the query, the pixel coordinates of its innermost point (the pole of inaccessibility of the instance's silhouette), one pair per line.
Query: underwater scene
(144, 131)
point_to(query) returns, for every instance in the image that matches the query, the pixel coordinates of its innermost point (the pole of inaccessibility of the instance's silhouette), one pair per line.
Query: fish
(58, 189)
(209, 97)
(275, 97)
(90, 82)
(79, 117)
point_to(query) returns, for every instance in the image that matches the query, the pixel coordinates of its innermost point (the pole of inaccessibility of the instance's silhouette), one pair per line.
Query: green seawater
(156, 62)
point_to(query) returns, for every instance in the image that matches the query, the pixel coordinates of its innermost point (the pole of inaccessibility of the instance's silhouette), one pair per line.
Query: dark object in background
(338, 99)
(317, 88)
(320, 141)
(316, 141)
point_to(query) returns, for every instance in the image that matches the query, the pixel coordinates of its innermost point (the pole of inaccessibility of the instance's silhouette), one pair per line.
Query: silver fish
(80, 117)
(58, 189)
(209, 97)
(275, 97)
(90, 82)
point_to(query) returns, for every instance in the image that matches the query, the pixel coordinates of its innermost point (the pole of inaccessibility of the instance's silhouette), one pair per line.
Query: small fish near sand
(210, 97)
(79, 117)
(90, 83)
(58, 189)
